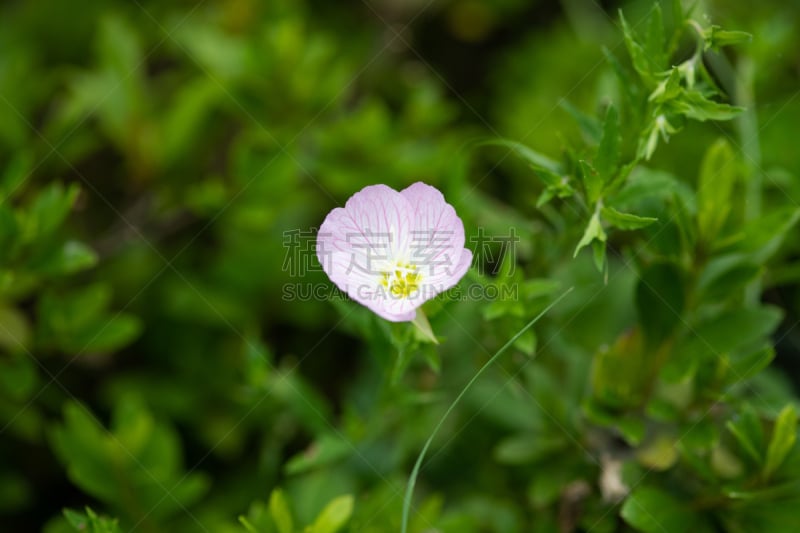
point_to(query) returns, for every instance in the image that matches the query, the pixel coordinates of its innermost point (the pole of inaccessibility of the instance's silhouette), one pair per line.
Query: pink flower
(392, 251)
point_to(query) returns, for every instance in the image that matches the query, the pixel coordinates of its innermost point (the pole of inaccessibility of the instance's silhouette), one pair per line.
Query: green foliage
(331, 518)
(135, 468)
(170, 351)
(90, 522)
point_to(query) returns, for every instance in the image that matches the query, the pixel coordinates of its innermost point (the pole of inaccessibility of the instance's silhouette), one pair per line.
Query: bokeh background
(162, 167)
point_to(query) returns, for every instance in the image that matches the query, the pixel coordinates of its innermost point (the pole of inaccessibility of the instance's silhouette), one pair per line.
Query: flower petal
(373, 226)
(437, 237)
(358, 242)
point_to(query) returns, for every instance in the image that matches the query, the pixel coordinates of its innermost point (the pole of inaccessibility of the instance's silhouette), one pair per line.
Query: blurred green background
(156, 159)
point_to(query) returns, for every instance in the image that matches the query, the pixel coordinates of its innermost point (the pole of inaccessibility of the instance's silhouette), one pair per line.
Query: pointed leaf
(654, 510)
(784, 435)
(625, 221)
(716, 37)
(637, 53)
(592, 182)
(654, 45)
(694, 105)
(589, 125)
(608, 152)
(280, 513)
(334, 516)
(534, 158)
(715, 185)
(594, 230)
(747, 430)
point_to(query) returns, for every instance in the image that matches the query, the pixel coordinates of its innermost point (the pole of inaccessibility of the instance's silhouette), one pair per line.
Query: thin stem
(751, 150)
(412, 480)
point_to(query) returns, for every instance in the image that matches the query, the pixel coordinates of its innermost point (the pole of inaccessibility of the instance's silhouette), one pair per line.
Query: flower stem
(412, 480)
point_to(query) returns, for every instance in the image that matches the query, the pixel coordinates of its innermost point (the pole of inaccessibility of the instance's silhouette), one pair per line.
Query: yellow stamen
(402, 282)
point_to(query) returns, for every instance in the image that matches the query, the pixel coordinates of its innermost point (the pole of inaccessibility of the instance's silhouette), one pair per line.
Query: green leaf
(608, 153)
(660, 300)
(594, 230)
(654, 510)
(139, 460)
(90, 522)
(784, 435)
(745, 366)
(534, 158)
(725, 464)
(185, 119)
(716, 37)
(600, 258)
(527, 448)
(632, 429)
(555, 186)
(118, 45)
(78, 321)
(724, 277)
(69, 258)
(746, 428)
(699, 435)
(248, 525)
(115, 89)
(773, 514)
(625, 221)
(630, 89)
(15, 329)
(589, 125)
(736, 328)
(659, 454)
(280, 513)
(105, 336)
(724, 333)
(51, 207)
(334, 516)
(715, 185)
(324, 451)
(764, 236)
(422, 327)
(16, 173)
(694, 105)
(668, 89)
(258, 519)
(778, 492)
(637, 53)
(81, 444)
(654, 45)
(18, 375)
(10, 234)
(617, 370)
(592, 181)
(527, 343)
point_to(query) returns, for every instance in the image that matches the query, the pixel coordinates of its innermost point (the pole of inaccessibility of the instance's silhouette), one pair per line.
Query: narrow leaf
(592, 182)
(714, 189)
(625, 221)
(594, 230)
(784, 435)
(530, 155)
(334, 516)
(747, 430)
(636, 52)
(279, 511)
(608, 152)
(412, 480)
(654, 510)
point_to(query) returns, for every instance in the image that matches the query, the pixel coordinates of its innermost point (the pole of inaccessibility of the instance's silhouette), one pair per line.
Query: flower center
(402, 281)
